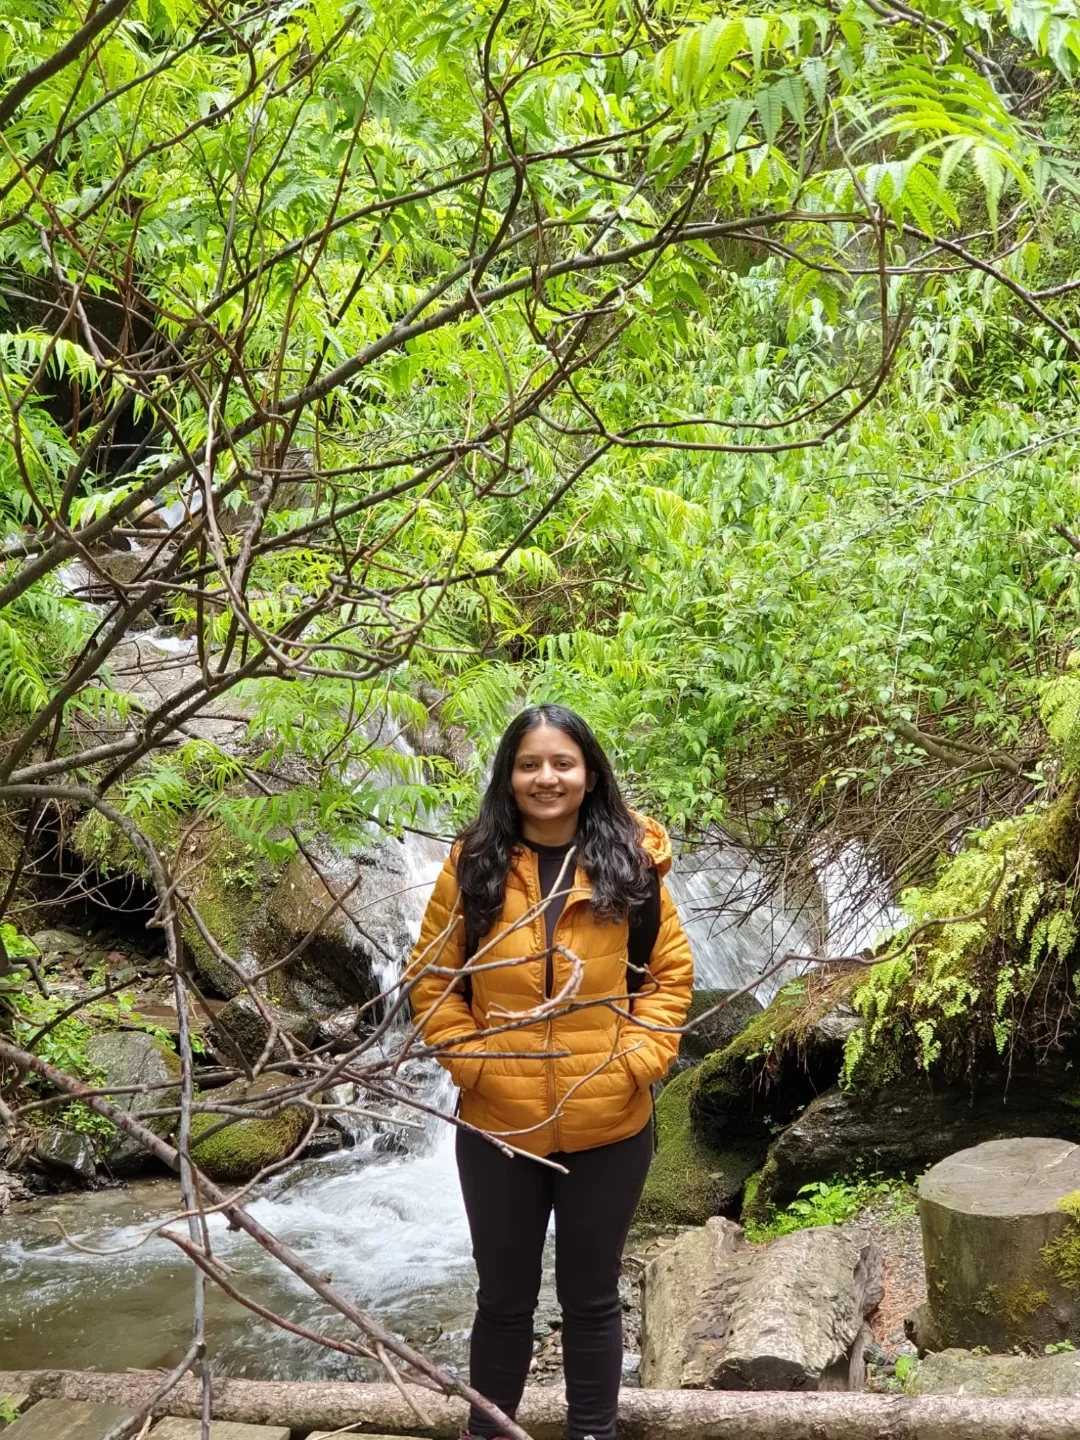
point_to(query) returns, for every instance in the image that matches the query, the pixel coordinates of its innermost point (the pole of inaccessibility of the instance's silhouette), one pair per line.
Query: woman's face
(549, 778)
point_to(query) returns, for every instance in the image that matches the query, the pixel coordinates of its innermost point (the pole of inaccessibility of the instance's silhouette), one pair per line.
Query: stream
(389, 1228)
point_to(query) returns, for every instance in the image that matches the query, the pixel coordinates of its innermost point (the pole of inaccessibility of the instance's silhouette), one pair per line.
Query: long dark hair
(608, 836)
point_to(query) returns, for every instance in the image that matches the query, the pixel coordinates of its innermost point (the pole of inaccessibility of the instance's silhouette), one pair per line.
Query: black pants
(508, 1202)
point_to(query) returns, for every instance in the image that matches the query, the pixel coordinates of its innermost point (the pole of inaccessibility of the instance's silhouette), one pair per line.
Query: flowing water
(390, 1229)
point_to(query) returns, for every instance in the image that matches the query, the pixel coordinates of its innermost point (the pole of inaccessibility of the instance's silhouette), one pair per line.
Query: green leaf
(770, 108)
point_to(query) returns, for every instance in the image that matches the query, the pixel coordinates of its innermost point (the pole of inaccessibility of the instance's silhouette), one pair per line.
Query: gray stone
(11, 1188)
(959, 1372)
(837, 1026)
(338, 1030)
(720, 1314)
(58, 942)
(131, 1057)
(243, 1021)
(67, 1150)
(323, 1142)
(66, 1420)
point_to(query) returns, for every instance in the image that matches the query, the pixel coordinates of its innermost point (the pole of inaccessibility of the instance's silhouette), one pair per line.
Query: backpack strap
(472, 944)
(644, 928)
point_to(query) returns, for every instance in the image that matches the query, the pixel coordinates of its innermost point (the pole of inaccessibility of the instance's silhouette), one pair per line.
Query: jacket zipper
(548, 990)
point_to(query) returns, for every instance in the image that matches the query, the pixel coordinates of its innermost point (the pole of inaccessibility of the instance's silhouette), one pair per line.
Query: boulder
(720, 1314)
(241, 1148)
(688, 1181)
(778, 1062)
(131, 1057)
(340, 964)
(1001, 1243)
(67, 1150)
(53, 943)
(243, 1022)
(959, 1372)
(12, 1188)
(719, 1029)
(902, 1128)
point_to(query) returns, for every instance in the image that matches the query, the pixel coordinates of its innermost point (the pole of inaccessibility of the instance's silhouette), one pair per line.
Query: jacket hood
(657, 843)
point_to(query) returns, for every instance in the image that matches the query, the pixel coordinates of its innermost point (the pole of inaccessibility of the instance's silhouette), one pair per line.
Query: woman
(565, 1068)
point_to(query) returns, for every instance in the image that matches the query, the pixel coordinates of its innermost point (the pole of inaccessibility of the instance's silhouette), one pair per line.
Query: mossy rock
(243, 1022)
(719, 1029)
(776, 1064)
(241, 1148)
(688, 1181)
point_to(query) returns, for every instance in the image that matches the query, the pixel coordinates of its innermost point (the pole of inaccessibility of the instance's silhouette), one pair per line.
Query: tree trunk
(1001, 1241)
(643, 1414)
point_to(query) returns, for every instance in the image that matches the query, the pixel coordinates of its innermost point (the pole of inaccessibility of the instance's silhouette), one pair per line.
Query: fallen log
(643, 1414)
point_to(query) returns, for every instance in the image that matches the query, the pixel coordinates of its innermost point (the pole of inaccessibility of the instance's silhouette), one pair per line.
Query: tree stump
(1001, 1244)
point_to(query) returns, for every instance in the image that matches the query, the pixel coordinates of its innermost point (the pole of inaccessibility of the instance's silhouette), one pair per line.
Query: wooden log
(173, 1428)
(643, 1414)
(1001, 1241)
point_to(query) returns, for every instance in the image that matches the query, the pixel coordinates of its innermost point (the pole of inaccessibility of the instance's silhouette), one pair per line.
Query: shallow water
(392, 1233)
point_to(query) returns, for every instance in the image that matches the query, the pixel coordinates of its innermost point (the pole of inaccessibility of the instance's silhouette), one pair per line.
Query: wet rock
(721, 1314)
(338, 966)
(12, 1188)
(904, 1128)
(67, 1150)
(338, 1031)
(241, 1148)
(959, 1372)
(781, 1060)
(54, 943)
(324, 1142)
(719, 1029)
(130, 1057)
(250, 1030)
(688, 1181)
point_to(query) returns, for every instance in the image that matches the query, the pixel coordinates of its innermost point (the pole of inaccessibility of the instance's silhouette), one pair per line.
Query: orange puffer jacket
(579, 1075)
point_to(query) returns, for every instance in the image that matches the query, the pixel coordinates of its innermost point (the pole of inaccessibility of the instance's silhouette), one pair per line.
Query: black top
(549, 859)
(644, 918)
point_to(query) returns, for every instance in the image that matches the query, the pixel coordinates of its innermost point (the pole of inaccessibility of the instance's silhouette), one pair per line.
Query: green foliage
(822, 1203)
(997, 923)
(905, 1365)
(64, 1046)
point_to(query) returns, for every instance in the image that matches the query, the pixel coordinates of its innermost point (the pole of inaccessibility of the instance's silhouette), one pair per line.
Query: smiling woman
(555, 1057)
(550, 779)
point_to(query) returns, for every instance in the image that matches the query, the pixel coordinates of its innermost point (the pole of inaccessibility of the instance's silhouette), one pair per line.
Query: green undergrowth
(25, 1013)
(827, 1202)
